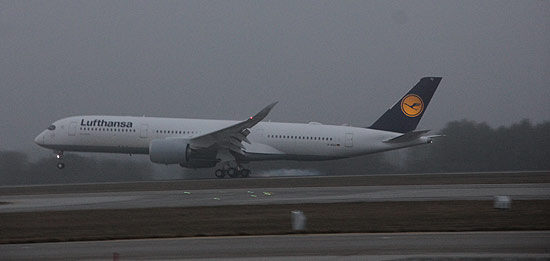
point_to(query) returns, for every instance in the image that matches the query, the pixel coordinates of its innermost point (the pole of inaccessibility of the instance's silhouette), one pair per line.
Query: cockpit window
(52, 127)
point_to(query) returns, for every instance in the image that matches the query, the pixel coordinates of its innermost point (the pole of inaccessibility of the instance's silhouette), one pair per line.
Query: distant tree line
(471, 146)
(467, 146)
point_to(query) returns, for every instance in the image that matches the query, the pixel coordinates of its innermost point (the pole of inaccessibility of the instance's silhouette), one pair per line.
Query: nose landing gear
(59, 156)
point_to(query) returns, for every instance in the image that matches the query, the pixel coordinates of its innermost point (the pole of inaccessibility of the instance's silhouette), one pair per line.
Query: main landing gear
(232, 172)
(59, 156)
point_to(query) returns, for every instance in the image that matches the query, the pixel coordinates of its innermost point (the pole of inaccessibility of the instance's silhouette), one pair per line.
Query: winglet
(263, 113)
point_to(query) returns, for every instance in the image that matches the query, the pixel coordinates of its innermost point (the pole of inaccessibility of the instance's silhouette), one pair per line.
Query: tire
(245, 173)
(232, 172)
(60, 165)
(219, 173)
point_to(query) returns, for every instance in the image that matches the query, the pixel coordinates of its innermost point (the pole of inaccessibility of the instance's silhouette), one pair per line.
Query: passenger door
(72, 128)
(349, 140)
(144, 131)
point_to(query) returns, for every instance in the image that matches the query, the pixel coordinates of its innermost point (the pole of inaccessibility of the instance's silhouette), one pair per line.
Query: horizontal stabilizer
(409, 136)
(435, 136)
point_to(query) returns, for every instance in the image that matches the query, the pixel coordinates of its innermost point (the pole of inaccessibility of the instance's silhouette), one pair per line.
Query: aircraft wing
(406, 137)
(231, 137)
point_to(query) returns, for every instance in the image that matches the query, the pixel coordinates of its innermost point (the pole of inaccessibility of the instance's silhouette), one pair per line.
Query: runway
(263, 196)
(511, 177)
(393, 203)
(384, 246)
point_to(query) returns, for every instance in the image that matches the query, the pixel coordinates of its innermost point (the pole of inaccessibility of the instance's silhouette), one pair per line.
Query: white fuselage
(269, 140)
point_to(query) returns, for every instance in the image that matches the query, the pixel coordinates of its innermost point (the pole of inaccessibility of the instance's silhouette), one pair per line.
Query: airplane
(202, 143)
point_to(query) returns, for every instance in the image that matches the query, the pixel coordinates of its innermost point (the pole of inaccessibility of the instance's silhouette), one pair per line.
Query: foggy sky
(333, 62)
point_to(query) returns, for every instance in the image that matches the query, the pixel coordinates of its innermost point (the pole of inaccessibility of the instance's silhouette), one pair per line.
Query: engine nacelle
(178, 151)
(169, 151)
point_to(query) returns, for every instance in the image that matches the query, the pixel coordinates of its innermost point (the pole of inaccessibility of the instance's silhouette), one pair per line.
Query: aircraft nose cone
(39, 139)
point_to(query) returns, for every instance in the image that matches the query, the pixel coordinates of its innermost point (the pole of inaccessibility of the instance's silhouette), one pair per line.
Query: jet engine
(178, 151)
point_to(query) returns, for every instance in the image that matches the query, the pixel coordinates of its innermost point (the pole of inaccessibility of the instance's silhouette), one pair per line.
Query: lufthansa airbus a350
(200, 143)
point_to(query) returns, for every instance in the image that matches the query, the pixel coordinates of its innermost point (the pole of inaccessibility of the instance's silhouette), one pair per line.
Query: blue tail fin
(404, 116)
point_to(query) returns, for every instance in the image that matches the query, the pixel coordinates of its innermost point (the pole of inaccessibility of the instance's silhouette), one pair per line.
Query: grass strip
(429, 216)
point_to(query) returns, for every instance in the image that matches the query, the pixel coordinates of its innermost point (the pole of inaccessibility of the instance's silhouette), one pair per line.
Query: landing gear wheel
(245, 173)
(232, 172)
(60, 165)
(219, 173)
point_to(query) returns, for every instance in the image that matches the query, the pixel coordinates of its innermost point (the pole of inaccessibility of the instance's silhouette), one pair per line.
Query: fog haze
(333, 62)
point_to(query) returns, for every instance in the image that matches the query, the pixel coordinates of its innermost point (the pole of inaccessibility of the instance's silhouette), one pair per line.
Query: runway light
(250, 192)
(267, 193)
(217, 198)
(253, 196)
(187, 192)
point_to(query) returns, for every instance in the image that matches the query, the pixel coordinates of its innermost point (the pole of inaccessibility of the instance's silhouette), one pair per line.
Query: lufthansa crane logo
(412, 105)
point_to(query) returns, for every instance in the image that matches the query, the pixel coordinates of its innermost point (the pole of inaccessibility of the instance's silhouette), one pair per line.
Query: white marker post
(298, 220)
(503, 202)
